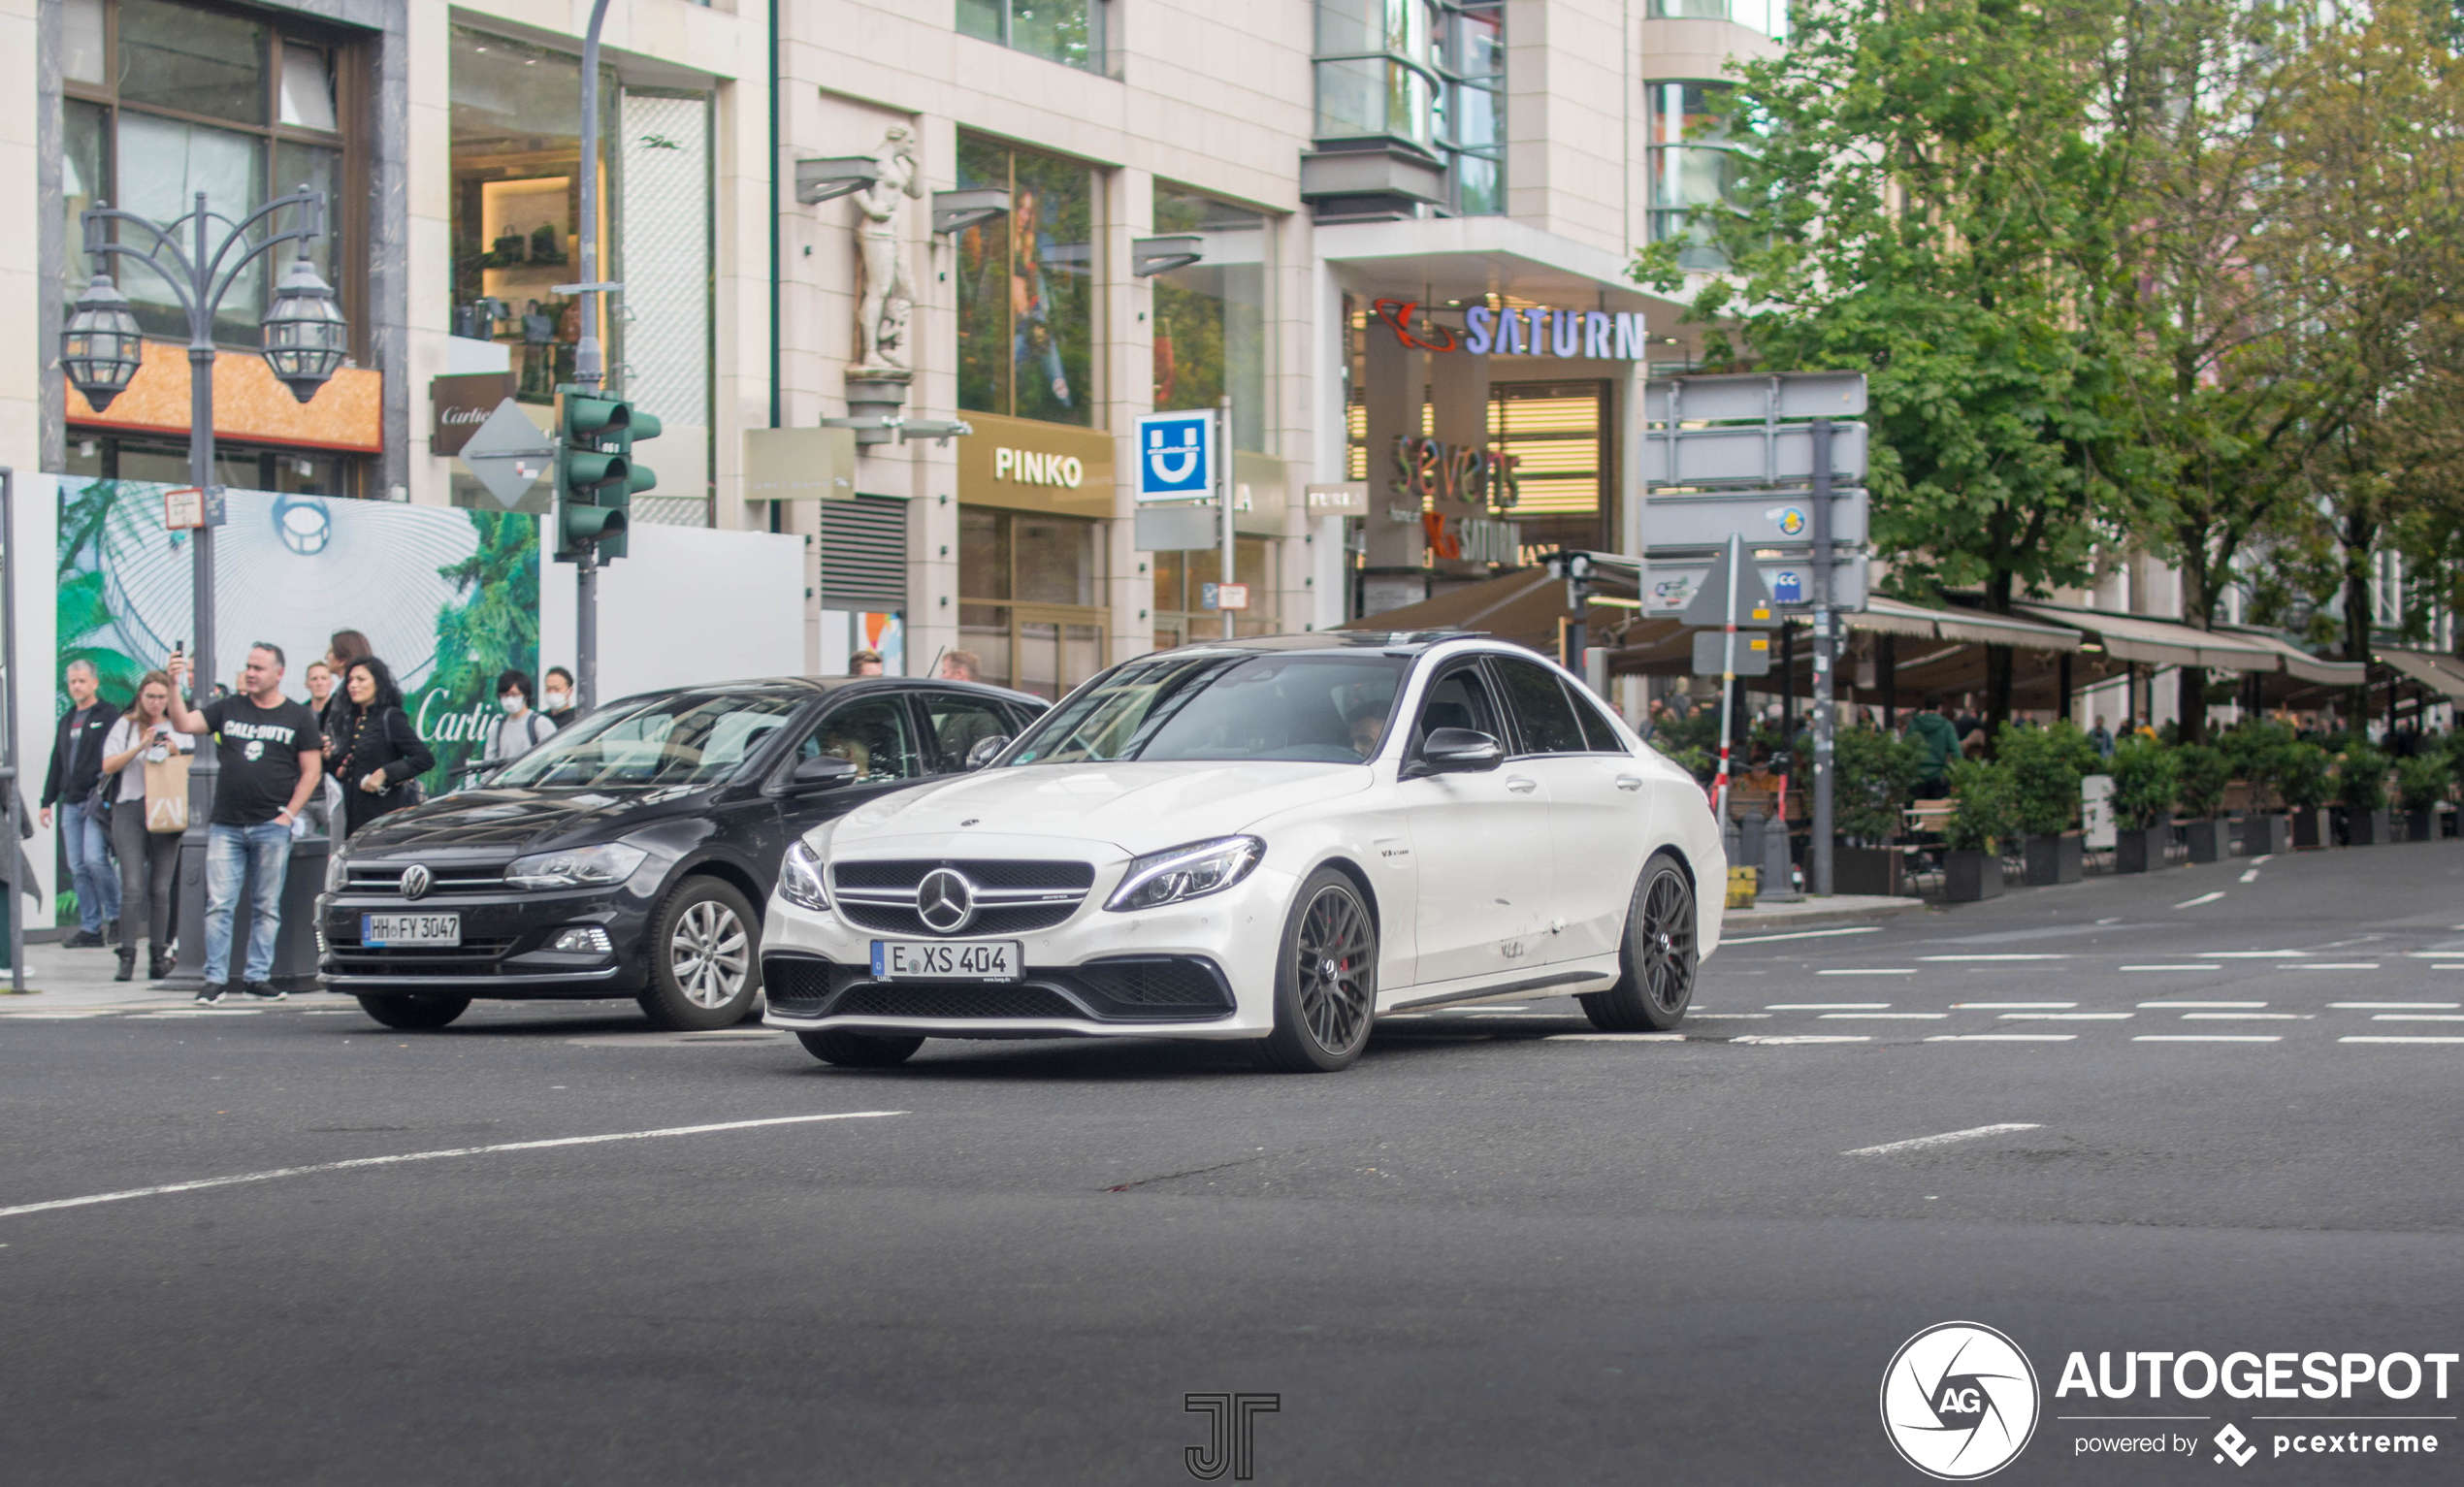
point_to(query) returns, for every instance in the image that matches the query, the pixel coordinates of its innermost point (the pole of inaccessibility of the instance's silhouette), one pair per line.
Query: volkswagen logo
(415, 881)
(945, 901)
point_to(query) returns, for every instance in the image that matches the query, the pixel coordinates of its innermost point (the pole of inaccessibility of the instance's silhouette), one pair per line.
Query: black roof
(818, 686)
(1338, 640)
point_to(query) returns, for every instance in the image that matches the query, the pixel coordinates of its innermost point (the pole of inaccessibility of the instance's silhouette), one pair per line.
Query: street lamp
(202, 257)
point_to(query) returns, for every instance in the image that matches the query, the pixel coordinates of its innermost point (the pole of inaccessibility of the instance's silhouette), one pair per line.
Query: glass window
(307, 86)
(1070, 32)
(689, 738)
(1056, 560)
(81, 43)
(1694, 163)
(1211, 317)
(1429, 72)
(1460, 699)
(1542, 713)
(192, 61)
(959, 722)
(872, 735)
(1026, 288)
(1598, 736)
(85, 177)
(162, 164)
(1324, 709)
(983, 553)
(1769, 16)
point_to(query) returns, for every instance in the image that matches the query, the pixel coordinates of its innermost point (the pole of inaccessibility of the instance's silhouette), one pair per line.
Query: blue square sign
(1175, 456)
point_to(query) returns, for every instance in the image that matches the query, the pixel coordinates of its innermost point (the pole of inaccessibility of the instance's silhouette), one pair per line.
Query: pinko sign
(1525, 331)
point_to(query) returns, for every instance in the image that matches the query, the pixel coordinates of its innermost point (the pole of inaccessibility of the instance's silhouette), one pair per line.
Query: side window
(1598, 731)
(959, 722)
(1460, 699)
(874, 735)
(1540, 704)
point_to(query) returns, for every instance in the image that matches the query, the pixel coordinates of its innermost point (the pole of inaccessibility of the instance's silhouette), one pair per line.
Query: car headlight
(581, 867)
(800, 880)
(1192, 871)
(334, 857)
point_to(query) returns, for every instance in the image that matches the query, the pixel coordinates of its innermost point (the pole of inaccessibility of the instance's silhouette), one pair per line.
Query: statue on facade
(889, 296)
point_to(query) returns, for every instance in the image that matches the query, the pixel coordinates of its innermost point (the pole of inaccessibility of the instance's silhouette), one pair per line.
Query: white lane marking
(2400, 1040)
(202, 1184)
(1778, 1038)
(2247, 1016)
(2393, 1005)
(2416, 1017)
(1757, 1017)
(52, 1016)
(1993, 957)
(2209, 1038)
(1921, 1143)
(2434, 954)
(1825, 1006)
(2066, 1016)
(1924, 1016)
(2202, 1004)
(1869, 970)
(1614, 1038)
(2337, 965)
(2262, 859)
(1496, 1009)
(2003, 1037)
(2012, 1006)
(2203, 899)
(2253, 954)
(2250, 875)
(2192, 967)
(1799, 934)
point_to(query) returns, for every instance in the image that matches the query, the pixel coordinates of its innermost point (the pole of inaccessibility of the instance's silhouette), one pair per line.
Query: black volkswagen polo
(632, 854)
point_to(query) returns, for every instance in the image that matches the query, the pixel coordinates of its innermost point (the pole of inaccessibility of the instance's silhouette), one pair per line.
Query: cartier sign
(459, 405)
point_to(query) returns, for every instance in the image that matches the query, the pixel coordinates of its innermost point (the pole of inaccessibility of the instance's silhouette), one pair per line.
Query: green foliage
(96, 523)
(2361, 779)
(2456, 754)
(2303, 782)
(2422, 779)
(1873, 778)
(2045, 764)
(2255, 751)
(1985, 810)
(2200, 775)
(2142, 783)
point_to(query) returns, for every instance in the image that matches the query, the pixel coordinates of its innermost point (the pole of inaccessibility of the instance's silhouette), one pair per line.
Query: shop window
(242, 466)
(1769, 16)
(1180, 615)
(1430, 73)
(162, 100)
(1030, 588)
(1693, 155)
(1555, 434)
(1026, 287)
(1211, 317)
(1070, 32)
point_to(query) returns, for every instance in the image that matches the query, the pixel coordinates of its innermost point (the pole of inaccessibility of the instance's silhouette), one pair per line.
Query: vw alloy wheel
(709, 953)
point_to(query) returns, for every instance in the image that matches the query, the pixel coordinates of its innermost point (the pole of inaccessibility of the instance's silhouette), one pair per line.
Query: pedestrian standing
(148, 850)
(2102, 737)
(273, 760)
(75, 784)
(522, 729)
(320, 685)
(377, 755)
(1937, 743)
(557, 697)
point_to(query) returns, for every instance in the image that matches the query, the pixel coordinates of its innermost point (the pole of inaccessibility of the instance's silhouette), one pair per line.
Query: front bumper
(504, 952)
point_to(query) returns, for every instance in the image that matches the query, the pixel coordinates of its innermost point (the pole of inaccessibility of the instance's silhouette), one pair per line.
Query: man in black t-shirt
(272, 758)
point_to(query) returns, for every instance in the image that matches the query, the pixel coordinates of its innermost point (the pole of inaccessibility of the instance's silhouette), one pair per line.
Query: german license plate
(389, 931)
(939, 960)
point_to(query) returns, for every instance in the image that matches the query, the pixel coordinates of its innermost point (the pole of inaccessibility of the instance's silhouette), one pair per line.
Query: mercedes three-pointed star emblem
(945, 901)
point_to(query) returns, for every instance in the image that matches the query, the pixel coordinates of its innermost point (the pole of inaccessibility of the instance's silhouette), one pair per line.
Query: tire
(859, 1051)
(414, 1011)
(1658, 960)
(1325, 980)
(704, 972)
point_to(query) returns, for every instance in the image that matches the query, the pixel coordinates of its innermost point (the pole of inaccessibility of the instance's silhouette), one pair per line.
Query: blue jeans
(89, 852)
(258, 856)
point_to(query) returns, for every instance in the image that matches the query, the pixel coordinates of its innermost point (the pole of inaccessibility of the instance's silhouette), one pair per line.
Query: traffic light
(596, 477)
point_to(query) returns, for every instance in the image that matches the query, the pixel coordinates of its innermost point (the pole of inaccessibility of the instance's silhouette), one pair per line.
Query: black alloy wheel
(1659, 957)
(412, 1012)
(1326, 980)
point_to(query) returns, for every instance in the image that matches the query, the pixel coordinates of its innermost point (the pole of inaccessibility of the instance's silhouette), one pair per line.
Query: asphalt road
(1499, 1251)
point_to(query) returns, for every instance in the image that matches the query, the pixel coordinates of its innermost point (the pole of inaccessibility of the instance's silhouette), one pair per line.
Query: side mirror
(1457, 751)
(987, 750)
(826, 772)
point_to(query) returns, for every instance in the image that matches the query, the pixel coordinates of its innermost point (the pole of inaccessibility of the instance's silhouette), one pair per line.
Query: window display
(1026, 287)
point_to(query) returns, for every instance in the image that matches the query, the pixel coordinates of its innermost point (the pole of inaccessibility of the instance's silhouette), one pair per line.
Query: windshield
(1327, 709)
(693, 738)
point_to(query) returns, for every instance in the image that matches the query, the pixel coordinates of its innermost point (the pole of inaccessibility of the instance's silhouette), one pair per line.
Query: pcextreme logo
(1959, 1401)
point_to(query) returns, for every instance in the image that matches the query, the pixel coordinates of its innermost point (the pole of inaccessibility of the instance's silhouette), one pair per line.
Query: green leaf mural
(495, 627)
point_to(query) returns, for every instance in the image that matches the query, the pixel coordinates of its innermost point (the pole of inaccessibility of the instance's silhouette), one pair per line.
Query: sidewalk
(1811, 913)
(58, 979)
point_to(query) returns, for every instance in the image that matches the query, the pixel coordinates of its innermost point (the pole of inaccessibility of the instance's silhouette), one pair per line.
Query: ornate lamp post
(202, 256)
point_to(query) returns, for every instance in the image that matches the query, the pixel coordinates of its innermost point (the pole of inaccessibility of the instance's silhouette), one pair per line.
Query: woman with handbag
(378, 757)
(149, 810)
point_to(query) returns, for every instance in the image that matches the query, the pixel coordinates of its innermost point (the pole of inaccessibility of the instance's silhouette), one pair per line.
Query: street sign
(1175, 456)
(1176, 528)
(1224, 595)
(1790, 394)
(1669, 589)
(1675, 525)
(1753, 653)
(1707, 601)
(1750, 454)
(184, 509)
(509, 454)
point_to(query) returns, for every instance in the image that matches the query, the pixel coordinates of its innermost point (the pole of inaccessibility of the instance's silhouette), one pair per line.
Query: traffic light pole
(589, 359)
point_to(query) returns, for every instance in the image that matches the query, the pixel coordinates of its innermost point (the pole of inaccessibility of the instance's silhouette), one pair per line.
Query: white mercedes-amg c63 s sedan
(1273, 840)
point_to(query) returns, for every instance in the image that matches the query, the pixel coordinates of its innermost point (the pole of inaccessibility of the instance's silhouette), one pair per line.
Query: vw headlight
(581, 867)
(1186, 872)
(334, 858)
(800, 880)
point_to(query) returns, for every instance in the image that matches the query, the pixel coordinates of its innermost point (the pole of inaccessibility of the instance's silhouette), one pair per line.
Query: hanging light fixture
(101, 347)
(306, 336)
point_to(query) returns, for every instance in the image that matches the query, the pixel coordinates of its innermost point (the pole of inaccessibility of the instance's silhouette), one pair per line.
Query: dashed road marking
(1778, 1038)
(2416, 1039)
(2416, 1017)
(2003, 1037)
(1995, 958)
(1922, 1143)
(2250, 875)
(2393, 1005)
(1928, 1017)
(2337, 965)
(2253, 954)
(2209, 1038)
(1614, 1038)
(1868, 970)
(1800, 934)
(2066, 1016)
(2247, 1016)
(2010, 1006)
(2192, 967)
(1825, 1006)
(2202, 1004)
(2203, 899)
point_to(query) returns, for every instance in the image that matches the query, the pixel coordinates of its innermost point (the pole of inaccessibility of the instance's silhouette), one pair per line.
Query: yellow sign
(1027, 466)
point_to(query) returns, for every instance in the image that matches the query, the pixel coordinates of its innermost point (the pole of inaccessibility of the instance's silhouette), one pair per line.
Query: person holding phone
(148, 859)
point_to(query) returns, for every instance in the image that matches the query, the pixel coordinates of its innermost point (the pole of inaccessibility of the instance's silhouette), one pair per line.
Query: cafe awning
(2298, 662)
(2436, 671)
(2150, 641)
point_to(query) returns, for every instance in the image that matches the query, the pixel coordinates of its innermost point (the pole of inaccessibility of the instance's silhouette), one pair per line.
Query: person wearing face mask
(148, 852)
(556, 700)
(377, 754)
(522, 729)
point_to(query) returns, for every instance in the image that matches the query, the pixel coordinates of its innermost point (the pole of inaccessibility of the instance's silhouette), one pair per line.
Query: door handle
(1522, 787)
(1629, 781)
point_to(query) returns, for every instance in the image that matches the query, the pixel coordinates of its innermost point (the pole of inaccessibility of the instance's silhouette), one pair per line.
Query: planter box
(1969, 875)
(1880, 870)
(2140, 851)
(2266, 835)
(2208, 840)
(2367, 828)
(2309, 827)
(2055, 859)
(2421, 825)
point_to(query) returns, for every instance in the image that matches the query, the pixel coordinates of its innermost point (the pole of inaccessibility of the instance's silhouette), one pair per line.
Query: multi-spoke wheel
(1658, 958)
(703, 970)
(1326, 983)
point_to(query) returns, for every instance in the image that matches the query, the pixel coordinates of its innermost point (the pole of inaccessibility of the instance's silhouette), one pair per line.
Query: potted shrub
(2455, 767)
(2361, 788)
(2421, 781)
(2045, 767)
(1972, 867)
(2256, 753)
(2199, 777)
(1873, 778)
(2142, 771)
(2304, 785)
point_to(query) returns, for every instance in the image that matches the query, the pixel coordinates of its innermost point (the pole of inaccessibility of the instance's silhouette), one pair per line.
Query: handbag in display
(167, 794)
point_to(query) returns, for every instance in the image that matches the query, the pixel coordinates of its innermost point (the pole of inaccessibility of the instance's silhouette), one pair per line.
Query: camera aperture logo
(1959, 1401)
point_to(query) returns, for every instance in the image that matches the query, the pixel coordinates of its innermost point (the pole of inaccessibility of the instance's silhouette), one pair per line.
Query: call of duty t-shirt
(260, 750)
